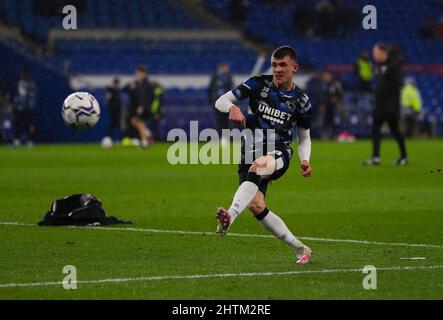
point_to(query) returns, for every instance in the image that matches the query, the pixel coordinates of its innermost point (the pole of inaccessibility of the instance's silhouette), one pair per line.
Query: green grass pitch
(383, 205)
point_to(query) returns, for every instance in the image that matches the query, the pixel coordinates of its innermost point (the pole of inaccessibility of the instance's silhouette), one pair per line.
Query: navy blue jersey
(271, 107)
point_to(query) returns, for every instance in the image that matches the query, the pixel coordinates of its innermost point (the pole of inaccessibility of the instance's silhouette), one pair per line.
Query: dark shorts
(283, 158)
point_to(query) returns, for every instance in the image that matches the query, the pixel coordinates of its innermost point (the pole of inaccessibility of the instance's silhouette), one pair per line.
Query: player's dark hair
(141, 68)
(382, 46)
(284, 51)
(393, 50)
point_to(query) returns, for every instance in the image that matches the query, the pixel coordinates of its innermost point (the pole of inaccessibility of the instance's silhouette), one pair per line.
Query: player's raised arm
(304, 150)
(226, 103)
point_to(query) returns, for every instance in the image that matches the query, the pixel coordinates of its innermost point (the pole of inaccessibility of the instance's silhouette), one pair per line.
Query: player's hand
(139, 110)
(306, 169)
(235, 115)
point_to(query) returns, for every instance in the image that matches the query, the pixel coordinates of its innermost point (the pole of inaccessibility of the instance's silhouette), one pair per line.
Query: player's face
(379, 55)
(283, 70)
(139, 75)
(327, 77)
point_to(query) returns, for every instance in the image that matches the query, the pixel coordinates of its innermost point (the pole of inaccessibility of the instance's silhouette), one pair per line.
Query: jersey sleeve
(245, 89)
(304, 113)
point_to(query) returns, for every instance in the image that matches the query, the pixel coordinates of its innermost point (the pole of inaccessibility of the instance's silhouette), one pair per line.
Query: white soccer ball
(106, 143)
(81, 110)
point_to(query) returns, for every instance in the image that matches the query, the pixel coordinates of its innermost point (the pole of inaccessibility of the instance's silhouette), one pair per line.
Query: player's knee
(263, 166)
(256, 207)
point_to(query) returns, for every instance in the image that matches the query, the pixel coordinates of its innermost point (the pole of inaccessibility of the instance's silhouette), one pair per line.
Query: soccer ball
(106, 143)
(81, 110)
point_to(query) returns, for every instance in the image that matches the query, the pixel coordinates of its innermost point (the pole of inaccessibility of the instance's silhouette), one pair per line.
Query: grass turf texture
(343, 200)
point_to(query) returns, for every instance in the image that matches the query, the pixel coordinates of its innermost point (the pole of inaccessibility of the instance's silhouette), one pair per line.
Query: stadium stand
(98, 14)
(117, 55)
(189, 57)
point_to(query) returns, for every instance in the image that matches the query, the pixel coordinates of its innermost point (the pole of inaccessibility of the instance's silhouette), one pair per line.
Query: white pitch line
(216, 275)
(206, 233)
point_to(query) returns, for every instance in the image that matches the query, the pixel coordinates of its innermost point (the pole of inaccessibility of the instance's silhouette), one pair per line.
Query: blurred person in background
(363, 71)
(23, 109)
(3, 96)
(332, 94)
(411, 105)
(144, 93)
(141, 93)
(129, 132)
(114, 104)
(388, 64)
(157, 107)
(221, 82)
(6, 117)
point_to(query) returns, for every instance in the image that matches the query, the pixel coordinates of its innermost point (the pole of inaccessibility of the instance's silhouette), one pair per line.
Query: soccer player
(114, 104)
(389, 62)
(142, 96)
(275, 103)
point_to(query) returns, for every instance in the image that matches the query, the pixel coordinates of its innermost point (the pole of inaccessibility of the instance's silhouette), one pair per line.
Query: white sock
(277, 227)
(244, 195)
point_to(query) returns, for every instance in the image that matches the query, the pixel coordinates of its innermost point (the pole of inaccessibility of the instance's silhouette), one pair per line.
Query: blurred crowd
(327, 19)
(433, 27)
(138, 121)
(17, 112)
(332, 116)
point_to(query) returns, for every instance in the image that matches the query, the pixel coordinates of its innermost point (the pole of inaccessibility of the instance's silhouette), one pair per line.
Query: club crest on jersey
(264, 93)
(291, 105)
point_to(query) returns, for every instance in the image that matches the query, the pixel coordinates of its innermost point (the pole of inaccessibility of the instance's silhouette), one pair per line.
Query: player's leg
(18, 124)
(376, 140)
(112, 124)
(262, 168)
(30, 128)
(275, 225)
(376, 137)
(143, 131)
(395, 131)
(135, 122)
(271, 221)
(149, 131)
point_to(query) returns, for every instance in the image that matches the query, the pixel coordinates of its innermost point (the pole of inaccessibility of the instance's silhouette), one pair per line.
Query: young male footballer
(275, 103)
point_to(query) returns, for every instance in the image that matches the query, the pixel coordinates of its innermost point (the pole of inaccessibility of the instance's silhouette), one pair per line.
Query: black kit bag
(80, 209)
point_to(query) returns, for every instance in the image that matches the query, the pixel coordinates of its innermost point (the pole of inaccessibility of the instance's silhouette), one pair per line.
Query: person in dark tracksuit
(24, 105)
(141, 93)
(332, 94)
(389, 80)
(114, 103)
